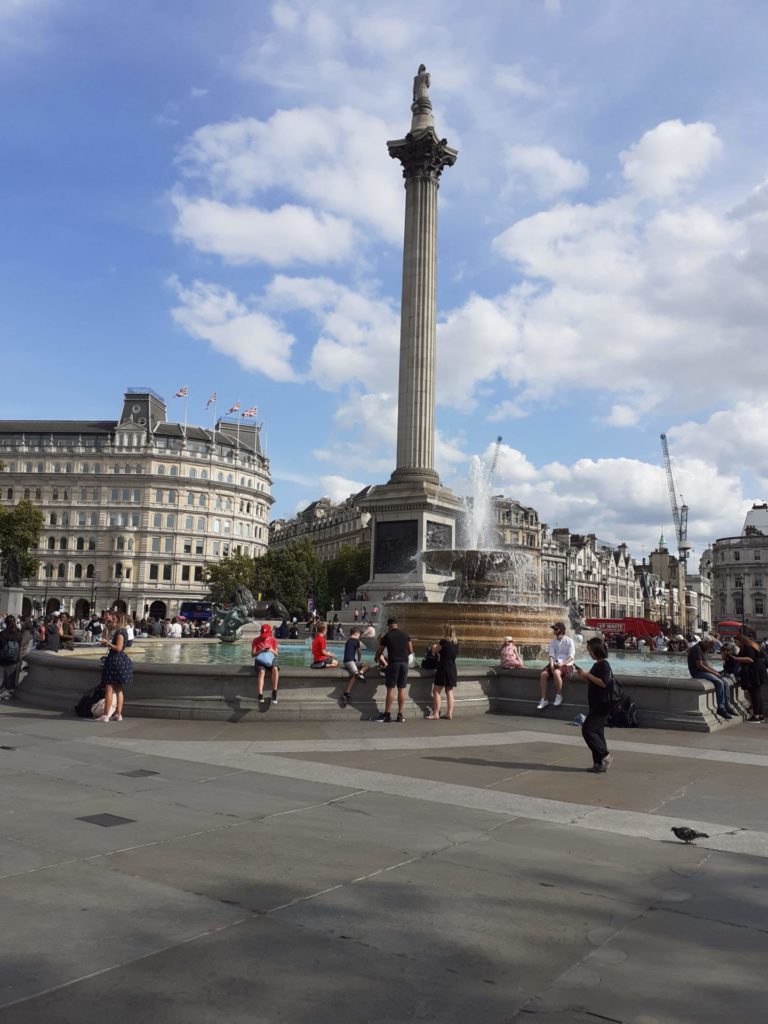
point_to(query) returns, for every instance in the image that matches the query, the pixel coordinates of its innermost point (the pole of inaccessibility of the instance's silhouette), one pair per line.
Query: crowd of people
(728, 663)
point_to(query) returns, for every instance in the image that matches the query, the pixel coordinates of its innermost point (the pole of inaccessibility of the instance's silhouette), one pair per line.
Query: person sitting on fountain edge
(561, 651)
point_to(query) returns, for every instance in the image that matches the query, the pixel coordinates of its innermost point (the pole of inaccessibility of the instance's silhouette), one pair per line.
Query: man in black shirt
(700, 668)
(393, 652)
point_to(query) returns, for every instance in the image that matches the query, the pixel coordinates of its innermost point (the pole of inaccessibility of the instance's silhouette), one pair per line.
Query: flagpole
(237, 441)
(186, 402)
(213, 425)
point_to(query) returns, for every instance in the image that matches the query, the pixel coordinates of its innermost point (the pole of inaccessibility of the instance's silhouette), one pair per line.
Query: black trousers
(593, 732)
(756, 696)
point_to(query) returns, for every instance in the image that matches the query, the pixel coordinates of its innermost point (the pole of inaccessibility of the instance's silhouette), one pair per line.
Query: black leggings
(593, 732)
(756, 696)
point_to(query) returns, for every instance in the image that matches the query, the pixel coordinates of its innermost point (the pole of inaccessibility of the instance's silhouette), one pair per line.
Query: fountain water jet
(495, 592)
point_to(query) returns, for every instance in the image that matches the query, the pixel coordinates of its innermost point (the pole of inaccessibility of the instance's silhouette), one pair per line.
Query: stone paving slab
(64, 924)
(344, 872)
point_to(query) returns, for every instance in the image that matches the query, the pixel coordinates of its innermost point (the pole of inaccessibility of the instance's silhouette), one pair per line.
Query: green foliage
(293, 575)
(225, 576)
(348, 570)
(20, 529)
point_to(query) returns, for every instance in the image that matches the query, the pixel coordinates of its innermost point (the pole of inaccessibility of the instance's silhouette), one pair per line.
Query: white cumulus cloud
(244, 234)
(670, 157)
(545, 170)
(215, 314)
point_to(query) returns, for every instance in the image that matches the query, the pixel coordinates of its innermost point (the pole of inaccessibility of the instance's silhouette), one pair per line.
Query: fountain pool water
(298, 654)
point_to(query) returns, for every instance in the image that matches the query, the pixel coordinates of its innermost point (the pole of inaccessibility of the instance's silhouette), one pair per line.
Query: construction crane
(680, 517)
(494, 460)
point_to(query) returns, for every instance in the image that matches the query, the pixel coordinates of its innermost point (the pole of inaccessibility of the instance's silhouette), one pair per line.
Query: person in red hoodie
(264, 654)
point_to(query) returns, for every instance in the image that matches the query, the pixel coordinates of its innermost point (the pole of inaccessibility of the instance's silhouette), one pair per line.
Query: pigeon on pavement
(688, 834)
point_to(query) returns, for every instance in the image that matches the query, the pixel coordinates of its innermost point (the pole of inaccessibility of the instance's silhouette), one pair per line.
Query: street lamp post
(48, 576)
(119, 574)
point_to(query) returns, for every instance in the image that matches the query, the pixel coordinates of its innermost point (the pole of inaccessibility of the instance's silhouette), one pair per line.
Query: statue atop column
(421, 107)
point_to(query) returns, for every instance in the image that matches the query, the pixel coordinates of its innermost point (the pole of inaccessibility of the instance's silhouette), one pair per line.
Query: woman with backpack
(118, 667)
(10, 657)
(601, 697)
(753, 672)
(446, 675)
(264, 653)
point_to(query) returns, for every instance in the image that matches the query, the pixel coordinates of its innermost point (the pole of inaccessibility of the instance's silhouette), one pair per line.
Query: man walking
(393, 652)
(561, 651)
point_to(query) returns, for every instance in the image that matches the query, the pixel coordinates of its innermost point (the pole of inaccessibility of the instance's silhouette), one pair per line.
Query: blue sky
(200, 194)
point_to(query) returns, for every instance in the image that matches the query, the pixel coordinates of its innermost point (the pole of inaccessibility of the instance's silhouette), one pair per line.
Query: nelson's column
(414, 512)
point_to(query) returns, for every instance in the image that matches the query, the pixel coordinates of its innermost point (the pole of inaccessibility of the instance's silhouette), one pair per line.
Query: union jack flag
(233, 408)
(182, 392)
(210, 401)
(253, 411)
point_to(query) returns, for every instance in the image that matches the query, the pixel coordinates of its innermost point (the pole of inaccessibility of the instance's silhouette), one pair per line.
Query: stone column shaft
(423, 157)
(416, 403)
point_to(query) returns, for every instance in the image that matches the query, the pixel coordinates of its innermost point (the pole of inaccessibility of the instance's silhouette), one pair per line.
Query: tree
(348, 570)
(293, 575)
(20, 529)
(225, 576)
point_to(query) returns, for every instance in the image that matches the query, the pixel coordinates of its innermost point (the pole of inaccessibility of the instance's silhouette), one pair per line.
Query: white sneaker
(558, 700)
(102, 718)
(543, 703)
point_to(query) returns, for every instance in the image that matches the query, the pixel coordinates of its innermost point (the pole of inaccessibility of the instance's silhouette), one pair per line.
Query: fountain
(494, 592)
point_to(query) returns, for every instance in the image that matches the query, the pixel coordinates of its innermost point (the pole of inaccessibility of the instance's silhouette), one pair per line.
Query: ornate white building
(740, 573)
(135, 507)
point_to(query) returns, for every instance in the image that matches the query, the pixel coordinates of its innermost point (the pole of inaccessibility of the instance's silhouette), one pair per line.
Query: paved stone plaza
(346, 871)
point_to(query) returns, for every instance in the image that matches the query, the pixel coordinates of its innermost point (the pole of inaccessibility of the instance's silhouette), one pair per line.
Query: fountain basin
(480, 625)
(227, 692)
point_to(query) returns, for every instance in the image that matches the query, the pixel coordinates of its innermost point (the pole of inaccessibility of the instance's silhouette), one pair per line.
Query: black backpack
(430, 659)
(623, 714)
(86, 702)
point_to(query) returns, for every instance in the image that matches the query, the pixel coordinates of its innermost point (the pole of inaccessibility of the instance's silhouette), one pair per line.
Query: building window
(80, 545)
(757, 556)
(170, 522)
(161, 470)
(201, 522)
(172, 497)
(199, 547)
(188, 523)
(89, 571)
(51, 543)
(94, 518)
(201, 501)
(759, 606)
(63, 543)
(91, 543)
(78, 571)
(153, 570)
(61, 572)
(737, 556)
(187, 546)
(157, 519)
(159, 497)
(167, 572)
(217, 547)
(38, 494)
(185, 573)
(198, 574)
(156, 544)
(81, 518)
(190, 498)
(757, 581)
(217, 526)
(192, 473)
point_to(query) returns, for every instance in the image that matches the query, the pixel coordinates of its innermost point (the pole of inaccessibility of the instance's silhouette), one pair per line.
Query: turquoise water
(297, 653)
